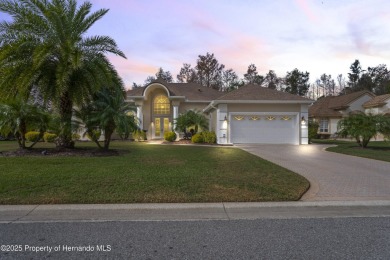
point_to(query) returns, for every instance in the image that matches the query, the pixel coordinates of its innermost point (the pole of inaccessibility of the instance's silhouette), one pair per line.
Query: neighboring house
(378, 105)
(327, 111)
(250, 114)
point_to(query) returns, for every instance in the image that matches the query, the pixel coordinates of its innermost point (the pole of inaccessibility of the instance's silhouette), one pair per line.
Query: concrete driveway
(332, 176)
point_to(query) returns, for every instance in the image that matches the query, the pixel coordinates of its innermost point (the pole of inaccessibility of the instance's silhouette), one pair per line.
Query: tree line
(210, 73)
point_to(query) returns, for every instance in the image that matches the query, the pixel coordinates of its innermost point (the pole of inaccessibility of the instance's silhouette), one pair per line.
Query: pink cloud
(304, 6)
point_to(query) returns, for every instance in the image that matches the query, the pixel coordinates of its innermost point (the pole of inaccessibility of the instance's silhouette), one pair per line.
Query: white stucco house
(250, 114)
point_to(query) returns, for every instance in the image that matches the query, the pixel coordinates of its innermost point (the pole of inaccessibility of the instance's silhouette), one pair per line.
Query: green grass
(146, 173)
(375, 150)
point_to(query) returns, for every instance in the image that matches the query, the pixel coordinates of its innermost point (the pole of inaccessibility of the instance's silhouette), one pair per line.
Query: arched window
(161, 105)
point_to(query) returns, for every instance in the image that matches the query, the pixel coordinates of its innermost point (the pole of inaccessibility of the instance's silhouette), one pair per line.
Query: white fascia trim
(216, 102)
(155, 84)
(197, 101)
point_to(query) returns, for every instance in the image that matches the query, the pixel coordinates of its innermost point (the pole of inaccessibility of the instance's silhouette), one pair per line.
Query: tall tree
(328, 85)
(297, 82)
(354, 75)
(187, 74)
(164, 75)
(252, 77)
(341, 83)
(46, 45)
(271, 80)
(376, 79)
(209, 71)
(229, 80)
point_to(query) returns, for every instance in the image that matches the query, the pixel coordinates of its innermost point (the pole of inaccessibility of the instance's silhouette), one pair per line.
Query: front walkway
(332, 176)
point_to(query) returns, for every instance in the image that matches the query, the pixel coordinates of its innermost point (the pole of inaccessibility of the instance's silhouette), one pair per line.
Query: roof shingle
(191, 91)
(328, 106)
(377, 101)
(256, 92)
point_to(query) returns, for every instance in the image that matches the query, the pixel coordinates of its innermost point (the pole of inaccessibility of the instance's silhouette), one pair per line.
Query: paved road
(332, 176)
(328, 238)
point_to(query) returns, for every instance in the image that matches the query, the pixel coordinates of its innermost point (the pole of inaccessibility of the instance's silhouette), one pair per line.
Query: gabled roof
(191, 91)
(377, 101)
(256, 92)
(329, 106)
(343, 102)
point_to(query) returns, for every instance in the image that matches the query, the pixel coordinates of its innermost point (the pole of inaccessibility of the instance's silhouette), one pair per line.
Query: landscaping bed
(378, 150)
(143, 173)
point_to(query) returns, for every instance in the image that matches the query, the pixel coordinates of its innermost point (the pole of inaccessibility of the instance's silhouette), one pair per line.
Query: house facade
(328, 111)
(250, 114)
(378, 105)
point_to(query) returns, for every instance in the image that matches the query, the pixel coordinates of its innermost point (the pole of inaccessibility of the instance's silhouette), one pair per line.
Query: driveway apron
(332, 176)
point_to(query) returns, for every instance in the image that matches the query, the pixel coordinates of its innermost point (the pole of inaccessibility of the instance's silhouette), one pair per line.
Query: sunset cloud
(320, 36)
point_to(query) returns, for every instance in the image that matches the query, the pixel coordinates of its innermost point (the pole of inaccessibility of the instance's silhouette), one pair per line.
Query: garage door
(270, 129)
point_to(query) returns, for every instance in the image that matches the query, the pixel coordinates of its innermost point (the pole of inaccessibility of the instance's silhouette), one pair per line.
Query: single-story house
(250, 114)
(378, 105)
(328, 111)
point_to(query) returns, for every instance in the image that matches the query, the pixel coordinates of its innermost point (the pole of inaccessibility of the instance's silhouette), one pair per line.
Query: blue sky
(318, 36)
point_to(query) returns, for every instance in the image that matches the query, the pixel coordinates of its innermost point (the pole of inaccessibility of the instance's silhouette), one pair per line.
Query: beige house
(251, 114)
(378, 105)
(327, 111)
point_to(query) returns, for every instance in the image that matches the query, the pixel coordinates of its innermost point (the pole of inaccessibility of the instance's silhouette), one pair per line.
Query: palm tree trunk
(65, 136)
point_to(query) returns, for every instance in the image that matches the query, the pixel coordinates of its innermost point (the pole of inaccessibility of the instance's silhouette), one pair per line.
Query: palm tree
(18, 117)
(191, 118)
(45, 46)
(108, 112)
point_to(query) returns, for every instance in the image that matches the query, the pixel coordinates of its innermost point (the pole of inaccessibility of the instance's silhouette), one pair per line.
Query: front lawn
(144, 173)
(375, 150)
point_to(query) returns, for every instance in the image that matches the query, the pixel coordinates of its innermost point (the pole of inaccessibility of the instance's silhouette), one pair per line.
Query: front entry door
(161, 125)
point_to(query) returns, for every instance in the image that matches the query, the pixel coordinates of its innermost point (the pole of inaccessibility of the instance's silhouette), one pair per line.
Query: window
(324, 125)
(161, 105)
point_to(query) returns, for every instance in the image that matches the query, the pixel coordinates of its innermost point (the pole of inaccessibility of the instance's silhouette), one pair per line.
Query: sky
(318, 36)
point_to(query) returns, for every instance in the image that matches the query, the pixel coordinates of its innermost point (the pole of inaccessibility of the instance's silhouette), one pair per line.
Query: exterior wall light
(303, 121)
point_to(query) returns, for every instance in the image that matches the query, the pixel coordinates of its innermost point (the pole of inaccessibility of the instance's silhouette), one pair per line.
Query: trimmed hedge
(170, 136)
(209, 137)
(49, 137)
(197, 138)
(32, 136)
(139, 135)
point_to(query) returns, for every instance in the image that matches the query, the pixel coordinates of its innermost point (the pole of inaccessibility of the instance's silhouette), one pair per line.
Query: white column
(140, 117)
(304, 125)
(175, 116)
(222, 124)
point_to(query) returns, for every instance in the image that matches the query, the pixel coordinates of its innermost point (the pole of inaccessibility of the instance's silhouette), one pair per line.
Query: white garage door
(270, 129)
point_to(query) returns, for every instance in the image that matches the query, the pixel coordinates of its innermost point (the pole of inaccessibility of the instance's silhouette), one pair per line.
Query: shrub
(32, 136)
(49, 137)
(209, 137)
(95, 135)
(139, 135)
(197, 138)
(76, 137)
(313, 129)
(170, 136)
